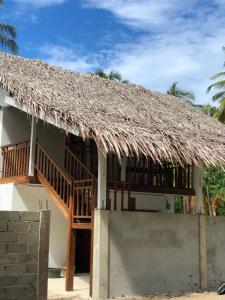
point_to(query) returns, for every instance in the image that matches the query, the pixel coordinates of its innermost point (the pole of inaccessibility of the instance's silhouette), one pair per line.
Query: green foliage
(178, 205)
(214, 180)
(185, 95)
(219, 85)
(113, 75)
(8, 36)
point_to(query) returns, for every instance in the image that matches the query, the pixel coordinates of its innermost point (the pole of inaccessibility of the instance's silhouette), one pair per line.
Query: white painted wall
(27, 197)
(16, 127)
(147, 201)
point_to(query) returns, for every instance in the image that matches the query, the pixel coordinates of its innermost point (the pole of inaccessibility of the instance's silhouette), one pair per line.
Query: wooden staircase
(72, 189)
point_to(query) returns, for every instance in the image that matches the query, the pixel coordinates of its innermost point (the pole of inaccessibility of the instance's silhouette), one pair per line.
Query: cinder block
(29, 258)
(30, 216)
(16, 269)
(8, 237)
(8, 258)
(3, 226)
(2, 270)
(2, 293)
(16, 247)
(31, 236)
(34, 226)
(18, 226)
(2, 248)
(8, 281)
(18, 291)
(32, 269)
(9, 215)
(33, 248)
(30, 279)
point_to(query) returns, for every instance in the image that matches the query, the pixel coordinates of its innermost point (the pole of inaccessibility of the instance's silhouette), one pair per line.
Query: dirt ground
(192, 296)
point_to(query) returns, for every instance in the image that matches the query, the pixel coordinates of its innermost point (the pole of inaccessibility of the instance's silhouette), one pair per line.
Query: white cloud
(181, 41)
(142, 13)
(39, 3)
(67, 58)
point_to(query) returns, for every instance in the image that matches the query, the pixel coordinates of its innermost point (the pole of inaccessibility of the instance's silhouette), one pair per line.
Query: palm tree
(219, 97)
(113, 75)
(185, 95)
(8, 35)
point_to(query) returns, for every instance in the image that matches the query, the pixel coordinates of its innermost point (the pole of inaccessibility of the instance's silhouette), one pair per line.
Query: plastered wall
(139, 253)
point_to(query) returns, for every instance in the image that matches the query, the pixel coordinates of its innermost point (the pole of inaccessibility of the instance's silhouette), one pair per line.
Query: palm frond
(218, 96)
(8, 29)
(217, 85)
(8, 43)
(1, 3)
(101, 73)
(115, 75)
(218, 75)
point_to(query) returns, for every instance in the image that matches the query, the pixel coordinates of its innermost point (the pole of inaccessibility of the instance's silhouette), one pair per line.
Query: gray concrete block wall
(23, 250)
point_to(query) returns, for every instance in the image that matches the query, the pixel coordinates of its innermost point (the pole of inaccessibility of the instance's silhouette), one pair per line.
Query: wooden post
(32, 147)
(197, 185)
(70, 261)
(102, 178)
(123, 169)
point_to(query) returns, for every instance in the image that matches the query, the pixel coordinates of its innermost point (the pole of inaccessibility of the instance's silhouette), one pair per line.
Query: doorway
(83, 251)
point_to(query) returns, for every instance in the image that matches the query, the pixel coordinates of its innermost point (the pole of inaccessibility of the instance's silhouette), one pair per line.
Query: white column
(197, 185)
(123, 169)
(32, 147)
(102, 180)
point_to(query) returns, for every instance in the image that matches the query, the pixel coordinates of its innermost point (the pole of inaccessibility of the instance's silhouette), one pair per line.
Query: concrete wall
(137, 253)
(215, 240)
(27, 198)
(24, 255)
(151, 253)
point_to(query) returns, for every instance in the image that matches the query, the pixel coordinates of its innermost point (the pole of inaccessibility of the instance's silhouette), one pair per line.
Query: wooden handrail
(15, 144)
(59, 181)
(69, 164)
(68, 178)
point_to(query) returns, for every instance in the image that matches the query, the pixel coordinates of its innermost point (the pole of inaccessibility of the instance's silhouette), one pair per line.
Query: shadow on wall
(28, 197)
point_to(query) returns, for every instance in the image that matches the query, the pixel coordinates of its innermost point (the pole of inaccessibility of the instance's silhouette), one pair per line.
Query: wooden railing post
(70, 261)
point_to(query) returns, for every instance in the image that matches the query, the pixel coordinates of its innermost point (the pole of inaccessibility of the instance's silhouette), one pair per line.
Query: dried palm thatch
(122, 118)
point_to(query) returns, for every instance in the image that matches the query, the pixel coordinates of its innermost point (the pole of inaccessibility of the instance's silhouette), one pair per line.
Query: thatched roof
(122, 118)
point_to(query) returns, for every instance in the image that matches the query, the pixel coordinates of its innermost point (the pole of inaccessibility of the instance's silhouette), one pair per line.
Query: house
(108, 160)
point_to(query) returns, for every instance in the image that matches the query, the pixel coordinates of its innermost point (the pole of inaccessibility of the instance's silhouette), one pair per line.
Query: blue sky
(151, 42)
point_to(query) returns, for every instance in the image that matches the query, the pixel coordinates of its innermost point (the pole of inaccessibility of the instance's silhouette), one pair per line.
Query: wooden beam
(86, 226)
(150, 189)
(22, 179)
(62, 207)
(70, 261)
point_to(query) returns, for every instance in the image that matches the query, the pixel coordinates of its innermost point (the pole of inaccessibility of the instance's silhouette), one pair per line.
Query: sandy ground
(56, 288)
(56, 291)
(192, 296)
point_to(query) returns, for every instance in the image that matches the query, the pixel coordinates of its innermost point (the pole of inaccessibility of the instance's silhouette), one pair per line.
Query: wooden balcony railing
(84, 195)
(15, 159)
(118, 196)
